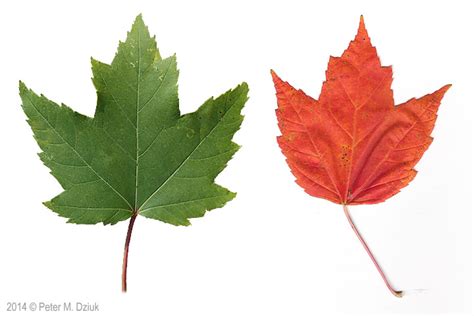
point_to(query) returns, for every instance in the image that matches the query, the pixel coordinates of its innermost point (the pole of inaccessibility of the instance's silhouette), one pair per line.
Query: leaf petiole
(125, 251)
(366, 247)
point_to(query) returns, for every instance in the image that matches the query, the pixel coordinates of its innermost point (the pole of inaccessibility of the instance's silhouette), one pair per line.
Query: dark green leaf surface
(138, 154)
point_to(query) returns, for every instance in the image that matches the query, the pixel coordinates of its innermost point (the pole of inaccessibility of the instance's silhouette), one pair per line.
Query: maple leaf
(138, 155)
(353, 145)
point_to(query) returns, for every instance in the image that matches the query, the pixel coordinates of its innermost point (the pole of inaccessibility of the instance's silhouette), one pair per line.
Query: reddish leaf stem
(125, 252)
(379, 269)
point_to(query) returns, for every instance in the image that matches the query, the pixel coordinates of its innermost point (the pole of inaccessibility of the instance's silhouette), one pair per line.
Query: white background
(274, 250)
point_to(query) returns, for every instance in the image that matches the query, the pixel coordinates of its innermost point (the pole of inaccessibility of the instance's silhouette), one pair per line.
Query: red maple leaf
(353, 145)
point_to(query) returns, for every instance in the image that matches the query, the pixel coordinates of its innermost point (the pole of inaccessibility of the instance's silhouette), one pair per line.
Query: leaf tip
(245, 87)
(139, 18)
(362, 31)
(275, 77)
(232, 195)
(138, 23)
(441, 91)
(48, 204)
(22, 87)
(447, 87)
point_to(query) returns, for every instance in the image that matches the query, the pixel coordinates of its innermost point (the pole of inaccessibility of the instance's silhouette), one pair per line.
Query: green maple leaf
(138, 155)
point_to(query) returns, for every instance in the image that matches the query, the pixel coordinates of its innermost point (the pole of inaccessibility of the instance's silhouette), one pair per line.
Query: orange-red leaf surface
(353, 145)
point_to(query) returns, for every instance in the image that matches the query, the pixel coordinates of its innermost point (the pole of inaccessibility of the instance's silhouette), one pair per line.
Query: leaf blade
(333, 143)
(137, 108)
